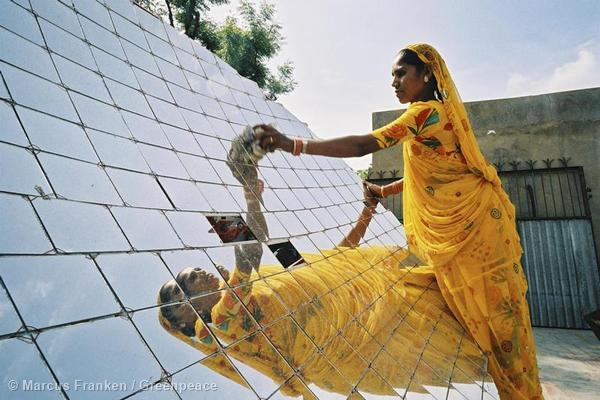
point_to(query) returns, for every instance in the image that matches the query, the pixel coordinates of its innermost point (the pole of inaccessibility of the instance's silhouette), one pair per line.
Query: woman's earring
(426, 79)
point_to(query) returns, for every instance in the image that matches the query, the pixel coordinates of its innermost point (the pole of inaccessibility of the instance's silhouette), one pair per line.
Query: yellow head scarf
(457, 114)
(207, 346)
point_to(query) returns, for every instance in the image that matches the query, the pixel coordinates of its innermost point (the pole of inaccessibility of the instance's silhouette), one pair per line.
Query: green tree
(192, 15)
(246, 42)
(154, 6)
(249, 46)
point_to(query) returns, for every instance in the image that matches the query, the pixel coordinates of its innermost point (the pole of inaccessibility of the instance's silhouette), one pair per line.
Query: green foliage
(284, 81)
(364, 174)
(246, 42)
(155, 7)
(191, 14)
(248, 46)
(209, 35)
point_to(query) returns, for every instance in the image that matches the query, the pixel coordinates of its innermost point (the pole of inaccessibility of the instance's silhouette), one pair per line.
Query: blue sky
(343, 51)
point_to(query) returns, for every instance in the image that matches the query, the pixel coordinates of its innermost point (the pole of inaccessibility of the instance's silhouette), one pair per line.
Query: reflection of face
(180, 315)
(193, 282)
(173, 291)
(407, 82)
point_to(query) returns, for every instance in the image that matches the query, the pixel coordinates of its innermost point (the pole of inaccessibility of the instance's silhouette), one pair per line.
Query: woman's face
(195, 282)
(192, 282)
(182, 313)
(408, 84)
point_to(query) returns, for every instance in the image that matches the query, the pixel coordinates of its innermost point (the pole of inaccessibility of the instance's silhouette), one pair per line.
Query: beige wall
(553, 125)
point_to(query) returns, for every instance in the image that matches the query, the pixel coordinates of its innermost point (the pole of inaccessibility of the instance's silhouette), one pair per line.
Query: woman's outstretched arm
(345, 146)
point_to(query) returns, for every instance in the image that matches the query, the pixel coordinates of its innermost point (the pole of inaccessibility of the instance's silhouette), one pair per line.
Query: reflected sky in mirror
(10, 321)
(29, 90)
(138, 190)
(117, 151)
(20, 171)
(134, 277)
(193, 229)
(77, 180)
(21, 361)
(56, 136)
(174, 354)
(227, 383)
(26, 25)
(70, 349)
(76, 226)
(39, 285)
(146, 229)
(12, 132)
(21, 230)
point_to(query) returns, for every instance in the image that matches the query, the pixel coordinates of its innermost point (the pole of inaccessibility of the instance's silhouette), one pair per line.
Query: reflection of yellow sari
(359, 306)
(459, 219)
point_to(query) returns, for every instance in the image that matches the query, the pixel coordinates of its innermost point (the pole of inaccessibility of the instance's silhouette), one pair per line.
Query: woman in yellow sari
(456, 215)
(341, 322)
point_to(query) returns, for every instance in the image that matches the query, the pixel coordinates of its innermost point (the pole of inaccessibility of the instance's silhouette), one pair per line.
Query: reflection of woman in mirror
(356, 304)
(457, 216)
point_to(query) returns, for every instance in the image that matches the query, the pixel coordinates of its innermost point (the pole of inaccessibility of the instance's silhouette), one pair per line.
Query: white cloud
(4, 310)
(584, 72)
(41, 289)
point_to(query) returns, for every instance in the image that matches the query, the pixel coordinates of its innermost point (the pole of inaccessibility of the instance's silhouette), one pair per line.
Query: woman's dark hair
(163, 294)
(167, 312)
(407, 56)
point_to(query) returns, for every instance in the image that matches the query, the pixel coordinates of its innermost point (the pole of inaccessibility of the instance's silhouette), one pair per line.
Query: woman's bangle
(304, 145)
(297, 147)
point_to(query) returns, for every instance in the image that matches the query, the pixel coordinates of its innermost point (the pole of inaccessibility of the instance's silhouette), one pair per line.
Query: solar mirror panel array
(114, 136)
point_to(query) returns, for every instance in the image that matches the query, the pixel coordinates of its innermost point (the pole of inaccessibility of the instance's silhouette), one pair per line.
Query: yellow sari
(355, 318)
(461, 222)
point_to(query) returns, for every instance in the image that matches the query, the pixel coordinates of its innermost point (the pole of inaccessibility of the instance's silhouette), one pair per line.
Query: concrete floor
(569, 362)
